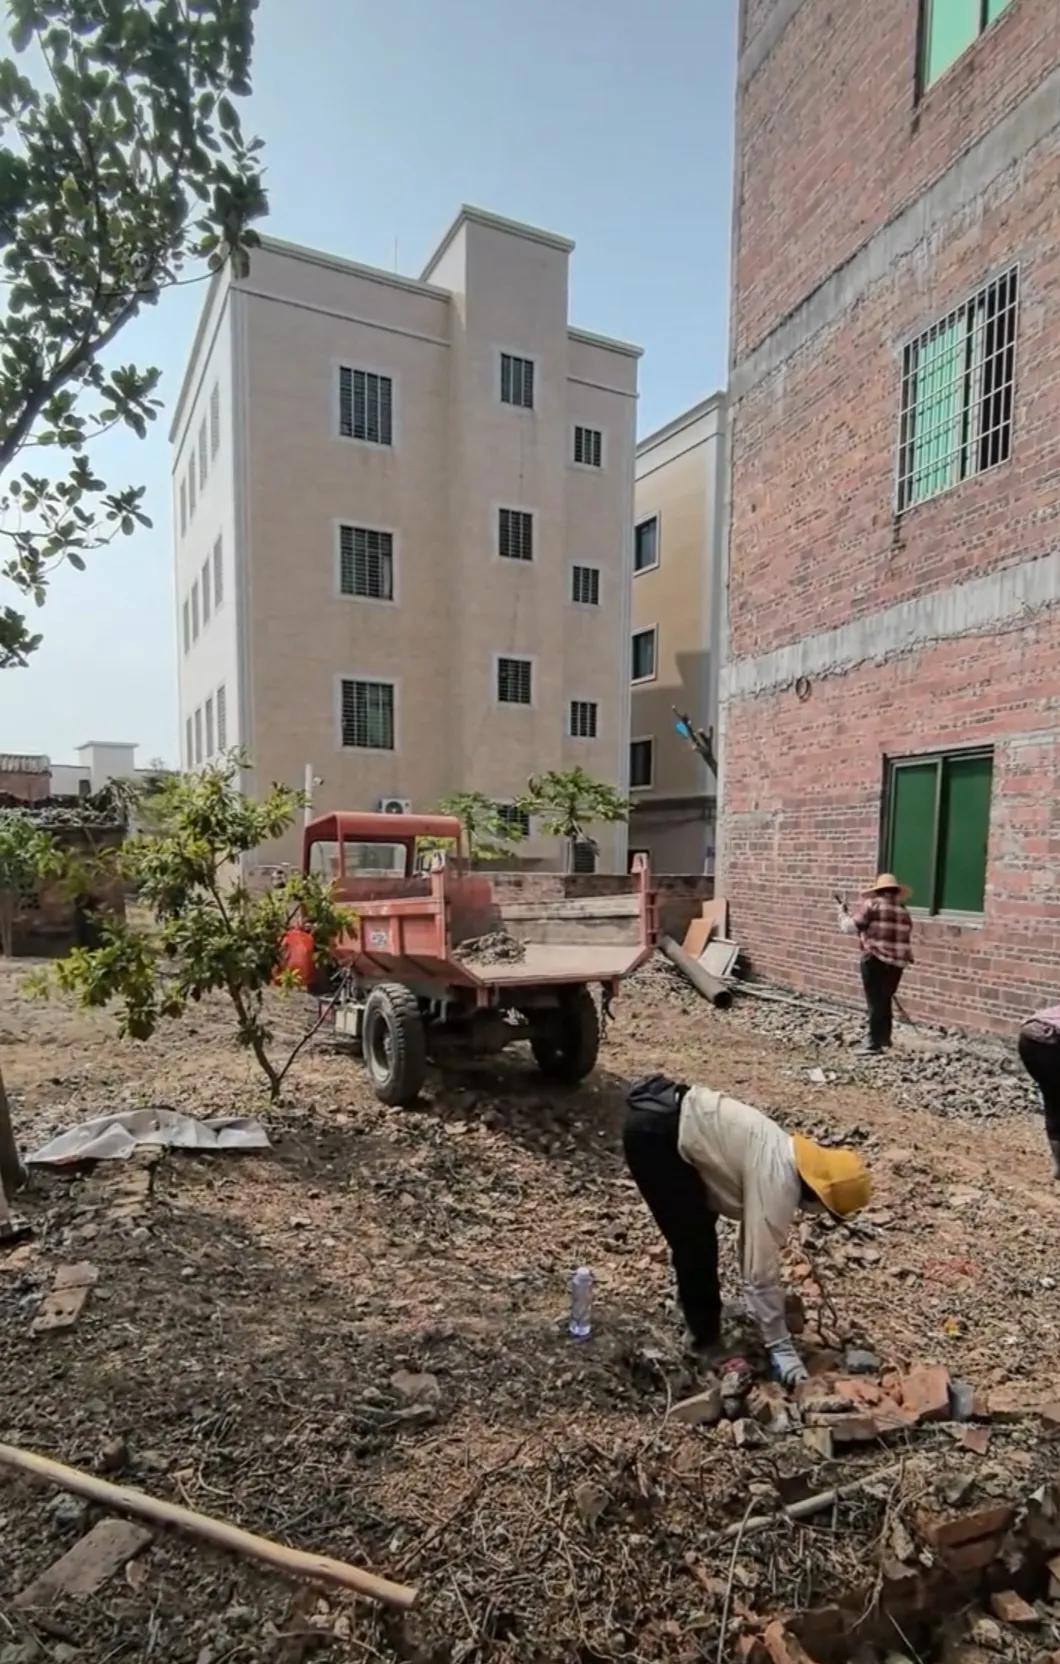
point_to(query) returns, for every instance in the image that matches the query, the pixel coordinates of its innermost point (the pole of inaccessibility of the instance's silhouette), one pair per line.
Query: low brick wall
(679, 896)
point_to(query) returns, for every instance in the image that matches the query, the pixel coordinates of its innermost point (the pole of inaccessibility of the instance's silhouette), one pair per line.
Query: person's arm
(863, 916)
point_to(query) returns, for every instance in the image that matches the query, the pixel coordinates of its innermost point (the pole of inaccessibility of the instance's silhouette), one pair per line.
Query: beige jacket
(747, 1164)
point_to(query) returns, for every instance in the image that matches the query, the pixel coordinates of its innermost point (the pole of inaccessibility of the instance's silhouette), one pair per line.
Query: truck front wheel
(394, 1043)
(565, 1042)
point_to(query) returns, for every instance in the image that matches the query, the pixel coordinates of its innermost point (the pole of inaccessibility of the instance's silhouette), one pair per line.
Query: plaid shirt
(885, 929)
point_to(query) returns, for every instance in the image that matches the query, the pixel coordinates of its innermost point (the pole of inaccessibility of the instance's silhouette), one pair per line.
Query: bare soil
(240, 1349)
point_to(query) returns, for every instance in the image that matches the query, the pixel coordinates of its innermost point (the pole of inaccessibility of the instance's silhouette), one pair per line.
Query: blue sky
(607, 120)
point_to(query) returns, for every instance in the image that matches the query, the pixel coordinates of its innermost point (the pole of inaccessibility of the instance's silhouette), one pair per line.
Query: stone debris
(1011, 1608)
(497, 947)
(89, 1564)
(704, 1408)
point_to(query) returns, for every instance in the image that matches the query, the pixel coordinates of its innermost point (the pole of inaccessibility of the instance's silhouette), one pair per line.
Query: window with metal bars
(514, 681)
(368, 715)
(366, 563)
(218, 575)
(205, 575)
(517, 381)
(641, 762)
(643, 665)
(365, 406)
(202, 453)
(588, 447)
(208, 710)
(514, 821)
(586, 585)
(195, 610)
(191, 488)
(198, 735)
(948, 28)
(215, 420)
(515, 534)
(222, 719)
(583, 719)
(183, 507)
(957, 394)
(187, 625)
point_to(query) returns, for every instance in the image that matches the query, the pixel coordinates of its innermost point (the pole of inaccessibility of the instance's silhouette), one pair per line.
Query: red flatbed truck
(410, 991)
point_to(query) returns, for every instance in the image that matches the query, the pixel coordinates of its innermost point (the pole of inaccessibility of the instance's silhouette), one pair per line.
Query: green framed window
(936, 828)
(958, 381)
(949, 27)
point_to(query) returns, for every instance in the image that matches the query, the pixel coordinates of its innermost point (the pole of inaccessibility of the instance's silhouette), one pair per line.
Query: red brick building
(891, 689)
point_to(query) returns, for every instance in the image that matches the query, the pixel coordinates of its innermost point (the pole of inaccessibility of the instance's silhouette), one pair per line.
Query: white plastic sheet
(115, 1137)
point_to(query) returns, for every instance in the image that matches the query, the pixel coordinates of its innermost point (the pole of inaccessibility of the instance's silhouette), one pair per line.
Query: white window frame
(220, 705)
(586, 606)
(649, 740)
(373, 445)
(580, 699)
(204, 455)
(638, 571)
(215, 419)
(366, 750)
(530, 358)
(183, 493)
(196, 616)
(206, 589)
(526, 658)
(365, 600)
(587, 467)
(189, 754)
(185, 619)
(217, 566)
(198, 736)
(495, 533)
(643, 630)
(208, 727)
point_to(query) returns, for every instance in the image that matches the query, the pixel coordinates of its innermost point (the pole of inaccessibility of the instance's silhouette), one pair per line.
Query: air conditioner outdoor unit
(395, 805)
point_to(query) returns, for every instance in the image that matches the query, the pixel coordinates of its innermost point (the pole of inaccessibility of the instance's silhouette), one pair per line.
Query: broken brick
(1053, 1569)
(703, 1407)
(1013, 1609)
(819, 1440)
(845, 1429)
(859, 1391)
(925, 1392)
(975, 1439)
(769, 1408)
(971, 1557)
(966, 1528)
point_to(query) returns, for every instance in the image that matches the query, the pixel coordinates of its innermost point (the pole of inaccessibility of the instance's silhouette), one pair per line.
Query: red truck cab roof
(343, 826)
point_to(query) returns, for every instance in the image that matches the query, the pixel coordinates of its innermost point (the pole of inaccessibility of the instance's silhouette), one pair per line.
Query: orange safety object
(299, 956)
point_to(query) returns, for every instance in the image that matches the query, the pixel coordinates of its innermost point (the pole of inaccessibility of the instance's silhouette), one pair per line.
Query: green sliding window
(950, 26)
(936, 829)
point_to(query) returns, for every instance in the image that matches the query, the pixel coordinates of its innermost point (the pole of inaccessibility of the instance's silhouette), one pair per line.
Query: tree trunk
(12, 1173)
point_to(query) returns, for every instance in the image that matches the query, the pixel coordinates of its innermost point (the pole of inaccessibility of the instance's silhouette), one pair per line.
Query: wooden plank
(697, 936)
(716, 912)
(89, 1564)
(62, 1305)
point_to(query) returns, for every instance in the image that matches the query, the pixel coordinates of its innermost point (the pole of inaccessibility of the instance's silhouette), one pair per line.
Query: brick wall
(833, 145)
(803, 794)
(834, 140)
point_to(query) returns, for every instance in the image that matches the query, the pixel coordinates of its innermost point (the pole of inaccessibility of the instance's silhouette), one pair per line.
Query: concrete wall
(458, 456)
(931, 630)
(678, 480)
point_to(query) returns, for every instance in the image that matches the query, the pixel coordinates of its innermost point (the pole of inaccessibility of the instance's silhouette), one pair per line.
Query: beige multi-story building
(404, 514)
(675, 636)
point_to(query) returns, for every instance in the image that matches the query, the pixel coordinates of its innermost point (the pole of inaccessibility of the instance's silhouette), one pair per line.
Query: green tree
(121, 162)
(27, 855)
(488, 834)
(210, 932)
(567, 802)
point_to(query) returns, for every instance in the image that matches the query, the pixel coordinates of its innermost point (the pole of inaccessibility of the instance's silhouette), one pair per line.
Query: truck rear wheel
(566, 1042)
(394, 1043)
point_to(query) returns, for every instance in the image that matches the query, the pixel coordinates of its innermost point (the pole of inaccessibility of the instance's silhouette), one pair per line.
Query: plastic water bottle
(581, 1303)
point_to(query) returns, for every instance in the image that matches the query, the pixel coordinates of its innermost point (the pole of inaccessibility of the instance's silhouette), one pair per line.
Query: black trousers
(1041, 1059)
(880, 982)
(676, 1195)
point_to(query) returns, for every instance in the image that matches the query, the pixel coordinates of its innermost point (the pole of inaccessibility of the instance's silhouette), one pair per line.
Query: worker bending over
(696, 1154)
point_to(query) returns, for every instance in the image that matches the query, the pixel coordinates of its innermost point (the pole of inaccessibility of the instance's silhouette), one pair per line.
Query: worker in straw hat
(695, 1154)
(882, 925)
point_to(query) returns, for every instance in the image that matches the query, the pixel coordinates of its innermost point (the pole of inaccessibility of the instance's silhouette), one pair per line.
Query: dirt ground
(248, 1346)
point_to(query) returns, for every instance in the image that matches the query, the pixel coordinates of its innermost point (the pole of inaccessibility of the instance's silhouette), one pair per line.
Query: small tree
(489, 836)
(27, 855)
(210, 932)
(566, 803)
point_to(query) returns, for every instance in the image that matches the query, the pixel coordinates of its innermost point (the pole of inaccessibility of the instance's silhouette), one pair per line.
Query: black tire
(394, 1043)
(566, 1044)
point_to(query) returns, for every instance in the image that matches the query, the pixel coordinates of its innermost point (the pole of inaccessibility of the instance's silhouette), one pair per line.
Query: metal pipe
(711, 987)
